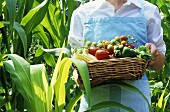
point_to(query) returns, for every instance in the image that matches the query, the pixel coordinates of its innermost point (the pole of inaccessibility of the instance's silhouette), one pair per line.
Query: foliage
(162, 78)
(35, 30)
(31, 81)
(33, 33)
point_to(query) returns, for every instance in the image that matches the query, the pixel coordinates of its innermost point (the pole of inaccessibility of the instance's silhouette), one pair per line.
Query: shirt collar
(135, 2)
(138, 3)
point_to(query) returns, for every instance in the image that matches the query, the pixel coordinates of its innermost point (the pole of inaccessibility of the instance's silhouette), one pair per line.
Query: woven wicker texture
(103, 71)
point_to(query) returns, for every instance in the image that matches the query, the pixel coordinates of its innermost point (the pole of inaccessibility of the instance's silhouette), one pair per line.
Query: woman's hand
(158, 61)
(154, 52)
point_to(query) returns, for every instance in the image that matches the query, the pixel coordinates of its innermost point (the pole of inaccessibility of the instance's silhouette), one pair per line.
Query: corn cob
(85, 57)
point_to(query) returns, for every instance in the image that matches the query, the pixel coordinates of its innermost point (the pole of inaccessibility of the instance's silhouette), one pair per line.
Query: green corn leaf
(49, 59)
(22, 70)
(153, 1)
(53, 80)
(41, 33)
(55, 16)
(20, 77)
(60, 84)
(38, 56)
(165, 10)
(159, 105)
(57, 51)
(41, 5)
(62, 78)
(28, 5)
(160, 3)
(2, 57)
(21, 8)
(109, 104)
(3, 102)
(56, 70)
(12, 111)
(11, 6)
(165, 102)
(35, 16)
(1, 1)
(49, 22)
(1, 24)
(84, 73)
(22, 35)
(31, 81)
(73, 102)
(71, 7)
(39, 52)
(40, 84)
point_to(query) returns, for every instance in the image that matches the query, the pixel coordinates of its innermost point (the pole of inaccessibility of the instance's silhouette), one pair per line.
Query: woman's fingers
(154, 52)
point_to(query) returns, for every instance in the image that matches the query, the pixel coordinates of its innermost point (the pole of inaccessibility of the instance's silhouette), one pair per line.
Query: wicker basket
(104, 71)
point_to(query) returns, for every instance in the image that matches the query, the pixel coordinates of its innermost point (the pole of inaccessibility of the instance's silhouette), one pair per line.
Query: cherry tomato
(88, 43)
(106, 43)
(123, 42)
(130, 45)
(113, 41)
(101, 54)
(94, 44)
(92, 50)
(100, 45)
(117, 38)
(110, 49)
(123, 38)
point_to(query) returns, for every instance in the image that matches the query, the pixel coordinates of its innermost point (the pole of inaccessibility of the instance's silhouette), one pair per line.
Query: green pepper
(128, 52)
(133, 53)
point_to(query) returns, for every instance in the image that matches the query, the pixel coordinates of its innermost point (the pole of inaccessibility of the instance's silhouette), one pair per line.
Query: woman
(106, 19)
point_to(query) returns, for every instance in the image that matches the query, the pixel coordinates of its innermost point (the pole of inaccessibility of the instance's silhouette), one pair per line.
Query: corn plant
(38, 92)
(32, 29)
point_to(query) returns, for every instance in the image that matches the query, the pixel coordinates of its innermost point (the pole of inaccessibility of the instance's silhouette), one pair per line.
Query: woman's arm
(155, 40)
(157, 63)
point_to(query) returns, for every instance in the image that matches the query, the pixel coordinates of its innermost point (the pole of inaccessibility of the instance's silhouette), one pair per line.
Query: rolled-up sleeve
(155, 31)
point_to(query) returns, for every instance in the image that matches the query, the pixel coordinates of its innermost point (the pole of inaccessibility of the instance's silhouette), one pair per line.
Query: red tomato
(110, 51)
(130, 45)
(102, 54)
(92, 50)
(123, 37)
